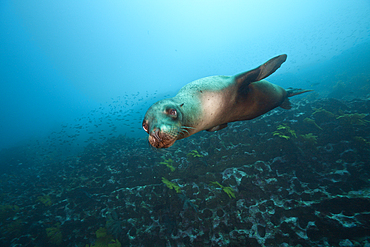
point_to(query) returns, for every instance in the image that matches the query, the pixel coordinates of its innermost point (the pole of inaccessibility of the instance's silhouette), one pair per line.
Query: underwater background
(76, 168)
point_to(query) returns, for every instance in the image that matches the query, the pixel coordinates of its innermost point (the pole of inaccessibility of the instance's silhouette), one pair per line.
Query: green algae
(310, 139)
(7, 211)
(103, 239)
(228, 190)
(311, 122)
(284, 131)
(194, 154)
(171, 185)
(45, 199)
(354, 119)
(362, 141)
(14, 227)
(54, 234)
(168, 163)
(324, 112)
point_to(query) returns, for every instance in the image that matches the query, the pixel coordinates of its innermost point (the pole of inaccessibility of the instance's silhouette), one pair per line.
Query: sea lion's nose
(155, 134)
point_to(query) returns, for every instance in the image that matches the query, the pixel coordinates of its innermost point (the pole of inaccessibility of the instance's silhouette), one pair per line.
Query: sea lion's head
(163, 123)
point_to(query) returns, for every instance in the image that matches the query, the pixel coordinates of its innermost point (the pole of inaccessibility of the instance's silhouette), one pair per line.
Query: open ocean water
(76, 168)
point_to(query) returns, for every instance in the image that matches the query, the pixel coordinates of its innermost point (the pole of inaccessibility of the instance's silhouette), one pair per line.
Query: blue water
(61, 60)
(75, 74)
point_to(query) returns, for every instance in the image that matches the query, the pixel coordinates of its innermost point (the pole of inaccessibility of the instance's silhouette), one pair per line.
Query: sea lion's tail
(295, 91)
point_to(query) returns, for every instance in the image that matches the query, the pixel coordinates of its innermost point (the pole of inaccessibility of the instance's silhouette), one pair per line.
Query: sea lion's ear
(260, 72)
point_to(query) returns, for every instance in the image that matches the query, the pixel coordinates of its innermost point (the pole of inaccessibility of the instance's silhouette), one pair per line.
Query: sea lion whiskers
(183, 129)
(182, 132)
(187, 127)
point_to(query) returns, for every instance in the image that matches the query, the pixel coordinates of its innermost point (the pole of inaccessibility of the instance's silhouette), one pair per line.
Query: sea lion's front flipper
(218, 127)
(261, 72)
(286, 104)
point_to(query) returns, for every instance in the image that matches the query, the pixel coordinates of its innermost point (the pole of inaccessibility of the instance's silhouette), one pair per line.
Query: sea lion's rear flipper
(292, 92)
(218, 127)
(295, 91)
(261, 72)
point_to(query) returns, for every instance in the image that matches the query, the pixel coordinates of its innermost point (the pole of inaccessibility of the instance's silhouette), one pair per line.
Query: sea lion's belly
(215, 106)
(219, 107)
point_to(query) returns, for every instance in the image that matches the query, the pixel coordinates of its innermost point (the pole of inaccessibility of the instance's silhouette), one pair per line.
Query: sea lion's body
(211, 102)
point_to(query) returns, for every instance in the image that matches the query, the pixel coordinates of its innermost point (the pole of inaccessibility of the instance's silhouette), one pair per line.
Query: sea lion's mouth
(159, 139)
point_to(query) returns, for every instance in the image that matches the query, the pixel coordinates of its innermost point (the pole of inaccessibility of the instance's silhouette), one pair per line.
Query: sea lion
(211, 103)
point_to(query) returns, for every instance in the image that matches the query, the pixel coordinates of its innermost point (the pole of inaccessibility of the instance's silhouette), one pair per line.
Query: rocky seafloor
(289, 178)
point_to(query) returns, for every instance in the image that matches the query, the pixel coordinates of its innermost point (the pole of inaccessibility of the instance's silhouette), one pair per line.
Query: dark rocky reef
(299, 178)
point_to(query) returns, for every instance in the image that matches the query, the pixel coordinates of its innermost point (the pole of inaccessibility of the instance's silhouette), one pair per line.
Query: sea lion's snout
(159, 139)
(155, 135)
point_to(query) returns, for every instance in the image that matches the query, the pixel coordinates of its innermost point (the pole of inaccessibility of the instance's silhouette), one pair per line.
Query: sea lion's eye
(145, 127)
(172, 112)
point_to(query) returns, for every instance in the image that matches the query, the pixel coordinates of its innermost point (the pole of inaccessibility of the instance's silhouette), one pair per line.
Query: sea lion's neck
(190, 107)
